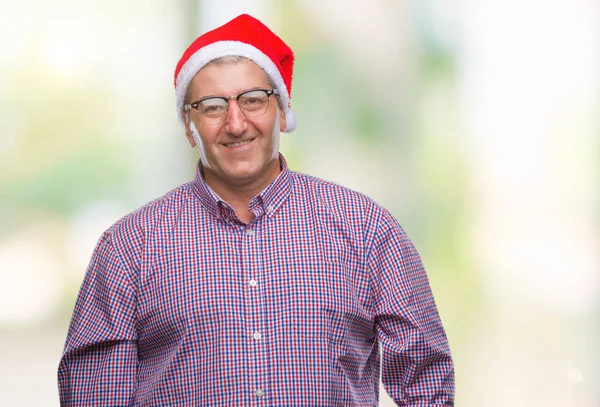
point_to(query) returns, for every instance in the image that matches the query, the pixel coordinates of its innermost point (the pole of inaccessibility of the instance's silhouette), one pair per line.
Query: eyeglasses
(214, 109)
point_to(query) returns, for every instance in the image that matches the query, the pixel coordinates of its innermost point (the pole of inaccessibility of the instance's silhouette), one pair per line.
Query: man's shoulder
(130, 236)
(335, 195)
(149, 214)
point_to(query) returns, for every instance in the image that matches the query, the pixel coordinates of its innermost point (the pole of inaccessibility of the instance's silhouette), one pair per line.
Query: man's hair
(228, 60)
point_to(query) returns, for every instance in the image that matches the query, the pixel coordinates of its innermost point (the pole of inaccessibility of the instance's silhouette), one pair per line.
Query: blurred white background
(474, 122)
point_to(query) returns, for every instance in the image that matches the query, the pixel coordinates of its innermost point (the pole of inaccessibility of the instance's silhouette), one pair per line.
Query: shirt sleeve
(417, 368)
(99, 362)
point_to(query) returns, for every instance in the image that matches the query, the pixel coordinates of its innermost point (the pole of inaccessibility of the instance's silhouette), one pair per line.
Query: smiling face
(242, 152)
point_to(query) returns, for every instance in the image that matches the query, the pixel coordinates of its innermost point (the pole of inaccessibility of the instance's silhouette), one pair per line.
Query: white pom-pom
(290, 121)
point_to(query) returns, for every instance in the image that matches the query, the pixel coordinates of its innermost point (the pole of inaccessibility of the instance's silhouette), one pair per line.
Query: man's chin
(242, 174)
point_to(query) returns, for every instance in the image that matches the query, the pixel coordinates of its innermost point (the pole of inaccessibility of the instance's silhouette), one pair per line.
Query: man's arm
(417, 368)
(98, 366)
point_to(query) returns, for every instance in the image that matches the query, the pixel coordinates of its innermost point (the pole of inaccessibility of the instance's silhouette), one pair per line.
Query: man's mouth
(237, 144)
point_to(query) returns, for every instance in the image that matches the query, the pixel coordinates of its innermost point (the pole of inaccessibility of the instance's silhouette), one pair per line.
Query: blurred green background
(475, 123)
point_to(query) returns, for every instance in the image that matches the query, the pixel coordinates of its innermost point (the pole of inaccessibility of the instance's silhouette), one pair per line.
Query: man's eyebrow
(243, 91)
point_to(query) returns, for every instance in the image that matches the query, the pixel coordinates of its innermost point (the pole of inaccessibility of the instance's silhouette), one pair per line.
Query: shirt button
(257, 335)
(269, 208)
(253, 283)
(259, 393)
(250, 232)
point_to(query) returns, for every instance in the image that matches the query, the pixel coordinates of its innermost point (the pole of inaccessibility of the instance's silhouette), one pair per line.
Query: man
(252, 284)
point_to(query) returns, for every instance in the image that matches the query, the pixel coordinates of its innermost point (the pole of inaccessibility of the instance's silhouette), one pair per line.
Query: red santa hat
(247, 37)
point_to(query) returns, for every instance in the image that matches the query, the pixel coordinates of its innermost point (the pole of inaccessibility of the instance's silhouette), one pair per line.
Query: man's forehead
(229, 75)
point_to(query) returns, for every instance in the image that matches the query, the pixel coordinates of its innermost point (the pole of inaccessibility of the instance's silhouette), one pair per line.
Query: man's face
(225, 160)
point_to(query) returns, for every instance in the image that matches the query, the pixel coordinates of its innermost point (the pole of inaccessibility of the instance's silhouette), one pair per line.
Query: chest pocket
(324, 304)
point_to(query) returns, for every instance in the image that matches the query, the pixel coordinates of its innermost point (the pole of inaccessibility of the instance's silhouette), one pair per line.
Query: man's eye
(212, 109)
(253, 102)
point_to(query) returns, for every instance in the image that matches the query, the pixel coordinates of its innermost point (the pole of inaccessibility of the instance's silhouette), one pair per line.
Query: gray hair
(231, 60)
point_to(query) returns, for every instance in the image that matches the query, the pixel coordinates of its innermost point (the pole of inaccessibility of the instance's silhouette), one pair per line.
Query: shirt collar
(266, 202)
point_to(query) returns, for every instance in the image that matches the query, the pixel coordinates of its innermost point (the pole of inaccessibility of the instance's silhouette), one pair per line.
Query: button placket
(252, 269)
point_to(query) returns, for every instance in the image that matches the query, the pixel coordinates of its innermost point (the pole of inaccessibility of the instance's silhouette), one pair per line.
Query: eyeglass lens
(252, 103)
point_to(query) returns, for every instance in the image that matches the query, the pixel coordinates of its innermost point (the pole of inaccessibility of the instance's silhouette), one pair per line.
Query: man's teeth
(241, 143)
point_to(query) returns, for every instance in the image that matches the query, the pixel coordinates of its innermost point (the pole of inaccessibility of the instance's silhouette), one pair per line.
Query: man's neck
(240, 195)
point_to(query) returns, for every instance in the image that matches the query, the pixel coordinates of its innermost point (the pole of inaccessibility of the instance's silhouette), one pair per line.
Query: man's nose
(236, 122)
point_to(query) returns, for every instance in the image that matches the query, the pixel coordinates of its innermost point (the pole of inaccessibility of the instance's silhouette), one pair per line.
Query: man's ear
(188, 131)
(282, 120)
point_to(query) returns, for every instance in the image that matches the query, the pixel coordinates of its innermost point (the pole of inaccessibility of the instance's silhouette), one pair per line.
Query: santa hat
(247, 37)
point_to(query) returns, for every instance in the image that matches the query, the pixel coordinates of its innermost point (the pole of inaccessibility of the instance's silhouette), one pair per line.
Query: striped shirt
(309, 304)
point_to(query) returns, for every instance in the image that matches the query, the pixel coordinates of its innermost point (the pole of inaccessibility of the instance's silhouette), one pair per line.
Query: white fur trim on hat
(232, 48)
